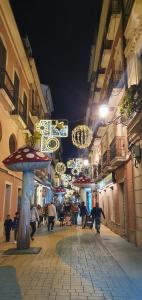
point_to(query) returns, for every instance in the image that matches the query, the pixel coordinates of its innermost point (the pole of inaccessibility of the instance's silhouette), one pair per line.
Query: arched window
(12, 143)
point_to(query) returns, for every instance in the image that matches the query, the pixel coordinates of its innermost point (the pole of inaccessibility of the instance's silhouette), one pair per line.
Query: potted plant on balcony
(131, 102)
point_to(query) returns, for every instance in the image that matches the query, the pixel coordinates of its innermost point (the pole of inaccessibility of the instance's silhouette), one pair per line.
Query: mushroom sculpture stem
(24, 225)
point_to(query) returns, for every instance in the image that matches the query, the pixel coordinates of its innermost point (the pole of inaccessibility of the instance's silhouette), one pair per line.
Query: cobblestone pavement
(74, 264)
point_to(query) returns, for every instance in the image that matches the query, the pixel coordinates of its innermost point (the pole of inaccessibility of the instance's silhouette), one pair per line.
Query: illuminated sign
(53, 128)
(49, 144)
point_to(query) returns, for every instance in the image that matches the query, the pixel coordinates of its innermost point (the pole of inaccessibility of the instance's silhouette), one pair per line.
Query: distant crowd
(66, 213)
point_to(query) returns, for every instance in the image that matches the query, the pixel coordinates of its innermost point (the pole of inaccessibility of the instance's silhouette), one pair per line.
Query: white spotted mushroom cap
(26, 158)
(84, 181)
(59, 190)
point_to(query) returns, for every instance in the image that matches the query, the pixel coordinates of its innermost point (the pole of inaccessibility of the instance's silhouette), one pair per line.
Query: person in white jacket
(51, 216)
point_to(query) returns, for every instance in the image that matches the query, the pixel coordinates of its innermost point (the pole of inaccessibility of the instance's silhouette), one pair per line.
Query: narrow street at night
(73, 264)
(71, 150)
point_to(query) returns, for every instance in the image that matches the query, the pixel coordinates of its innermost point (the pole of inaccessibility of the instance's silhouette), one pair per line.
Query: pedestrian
(40, 214)
(61, 216)
(33, 218)
(83, 214)
(74, 210)
(15, 226)
(97, 212)
(8, 226)
(51, 216)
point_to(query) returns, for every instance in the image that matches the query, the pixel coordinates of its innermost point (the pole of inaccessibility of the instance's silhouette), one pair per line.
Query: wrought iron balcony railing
(106, 159)
(116, 81)
(35, 111)
(30, 125)
(99, 168)
(117, 148)
(21, 110)
(7, 85)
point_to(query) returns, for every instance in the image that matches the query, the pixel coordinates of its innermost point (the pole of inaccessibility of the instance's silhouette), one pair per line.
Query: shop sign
(104, 182)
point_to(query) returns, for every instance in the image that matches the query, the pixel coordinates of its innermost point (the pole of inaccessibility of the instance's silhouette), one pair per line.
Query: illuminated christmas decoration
(84, 182)
(60, 168)
(49, 144)
(75, 171)
(75, 163)
(53, 128)
(71, 163)
(66, 183)
(79, 163)
(66, 177)
(81, 136)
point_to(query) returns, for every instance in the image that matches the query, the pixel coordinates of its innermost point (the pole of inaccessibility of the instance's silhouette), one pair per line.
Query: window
(25, 107)
(12, 143)
(16, 89)
(2, 61)
(33, 100)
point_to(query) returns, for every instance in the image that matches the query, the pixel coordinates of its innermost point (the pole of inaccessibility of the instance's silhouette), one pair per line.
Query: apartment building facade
(109, 152)
(22, 104)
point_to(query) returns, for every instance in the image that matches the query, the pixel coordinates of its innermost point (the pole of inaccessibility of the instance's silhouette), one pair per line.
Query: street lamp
(85, 162)
(103, 111)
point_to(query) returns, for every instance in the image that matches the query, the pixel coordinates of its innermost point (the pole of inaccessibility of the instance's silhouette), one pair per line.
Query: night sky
(61, 33)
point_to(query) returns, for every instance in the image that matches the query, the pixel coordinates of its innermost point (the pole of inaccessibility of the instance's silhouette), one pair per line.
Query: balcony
(100, 171)
(95, 173)
(113, 19)
(116, 82)
(19, 115)
(106, 166)
(30, 125)
(6, 90)
(107, 45)
(101, 77)
(135, 123)
(117, 151)
(35, 113)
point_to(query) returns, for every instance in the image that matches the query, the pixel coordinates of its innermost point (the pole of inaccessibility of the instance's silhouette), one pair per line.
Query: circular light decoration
(75, 171)
(81, 136)
(66, 183)
(60, 168)
(50, 144)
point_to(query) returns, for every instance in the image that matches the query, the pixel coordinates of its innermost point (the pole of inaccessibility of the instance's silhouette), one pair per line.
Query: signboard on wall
(106, 181)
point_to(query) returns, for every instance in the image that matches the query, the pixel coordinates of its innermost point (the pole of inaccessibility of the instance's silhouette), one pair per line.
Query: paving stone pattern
(74, 264)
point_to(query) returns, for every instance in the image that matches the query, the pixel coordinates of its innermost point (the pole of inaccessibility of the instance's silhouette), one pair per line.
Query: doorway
(122, 205)
(19, 198)
(7, 200)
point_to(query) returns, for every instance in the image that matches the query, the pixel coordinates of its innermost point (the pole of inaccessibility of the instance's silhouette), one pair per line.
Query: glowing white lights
(103, 111)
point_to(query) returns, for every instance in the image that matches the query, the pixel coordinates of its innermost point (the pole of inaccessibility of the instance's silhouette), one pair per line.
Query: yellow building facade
(21, 105)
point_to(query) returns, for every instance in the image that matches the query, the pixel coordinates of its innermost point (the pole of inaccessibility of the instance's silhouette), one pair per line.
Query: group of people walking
(67, 214)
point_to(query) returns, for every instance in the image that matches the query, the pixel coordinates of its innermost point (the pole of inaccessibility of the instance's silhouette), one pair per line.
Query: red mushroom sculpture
(83, 181)
(60, 191)
(26, 159)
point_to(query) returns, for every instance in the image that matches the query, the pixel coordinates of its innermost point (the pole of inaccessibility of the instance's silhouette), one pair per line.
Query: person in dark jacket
(96, 213)
(15, 226)
(8, 226)
(61, 216)
(83, 214)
